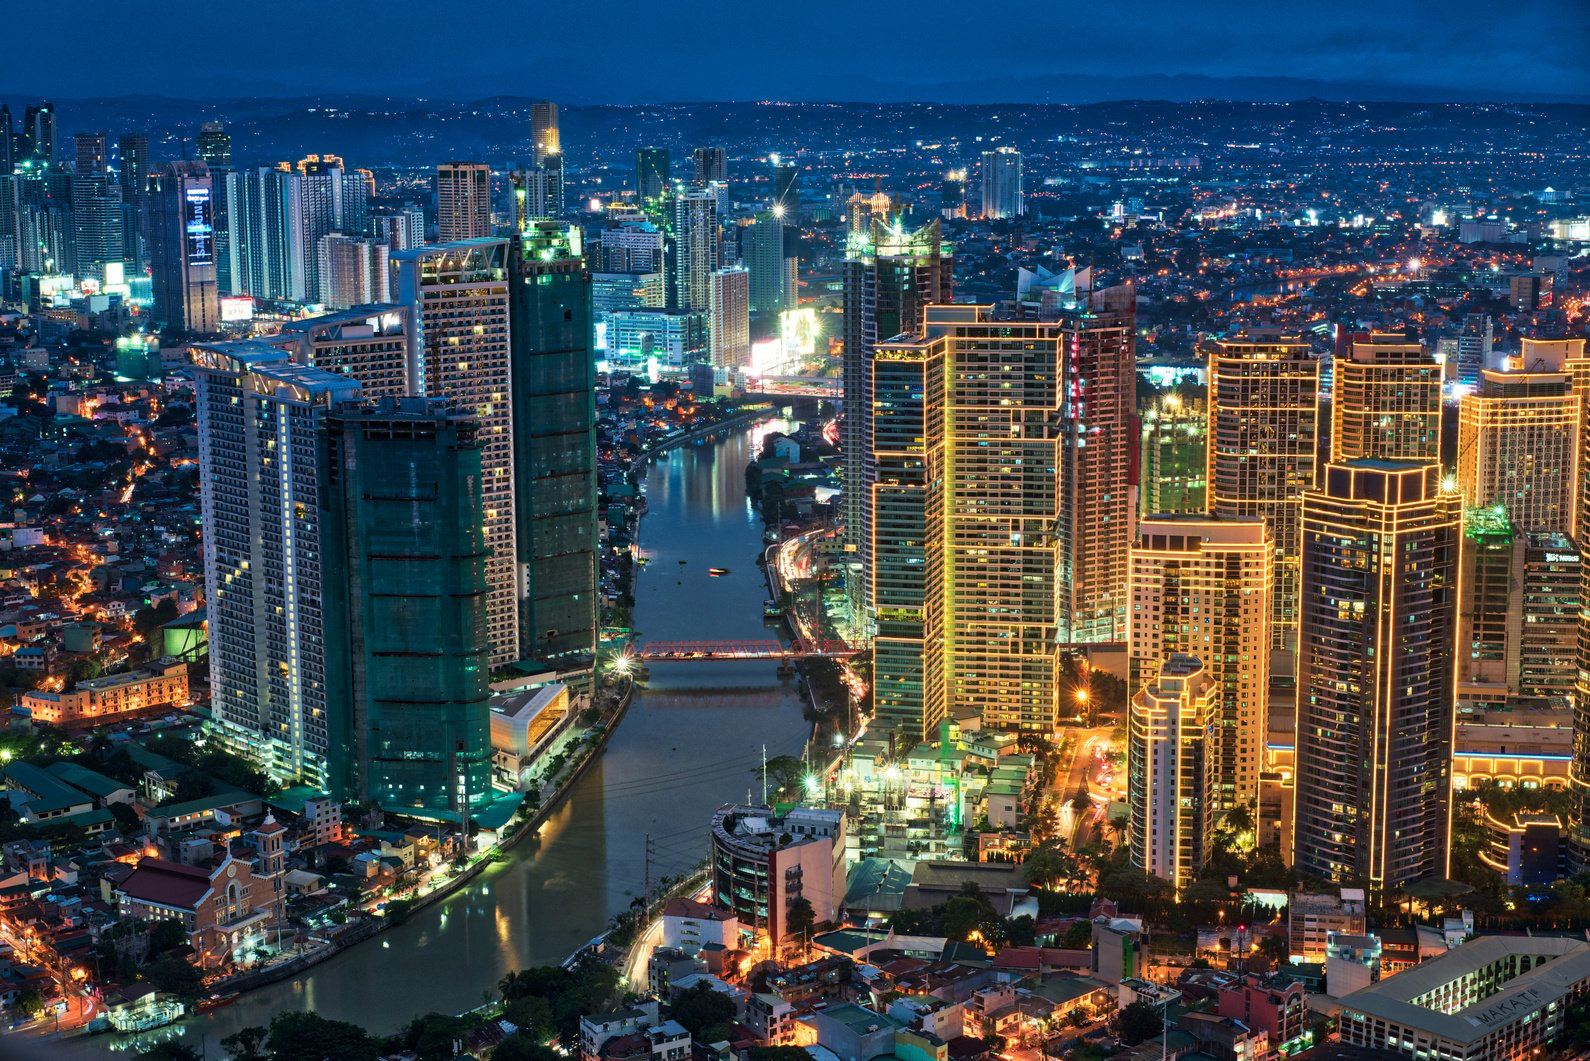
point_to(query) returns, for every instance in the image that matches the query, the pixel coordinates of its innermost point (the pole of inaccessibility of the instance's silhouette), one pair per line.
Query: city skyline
(612, 541)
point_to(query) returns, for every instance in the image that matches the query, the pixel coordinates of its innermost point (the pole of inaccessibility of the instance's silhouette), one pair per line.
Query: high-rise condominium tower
(786, 190)
(765, 255)
(1002, 195)
(729, 319)
(457, 297)
(1375, 698)
(1263, 449)
(554, 443)
(1097, 504)
(261, 435)
(906, 505)
(180, 224)
(696, 248)
(1201, 586)
(1386, 403)
(1519, 444)
(972, 564)
(1171, 726)
(712, 165)
(1518, 614)
(890, 275)
(463, 201)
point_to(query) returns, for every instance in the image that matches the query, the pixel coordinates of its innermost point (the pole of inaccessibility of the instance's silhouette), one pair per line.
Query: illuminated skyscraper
(696, 248)
(1201, 586)
(1172, 454)
(261, 443)
(554, 443)
(1518, 616)
(970, 560)
(1572, 354)
(1002, 195)
(1097, 503)
(729, 319)
(354, 271)
(653, 175)
(1263, 448)
(214, 149)
(463, 201)
(907, 503)
(457, 295)
(963, 560)
(1377, 628)
(133, 158)
(1386, 401)
(410, 669)
(545, 138)
(98, 224)
(1170, 729)
(890, 275)
(1518, 442)
(546, 180)
(369, 345)
(214, 144)
(712, 165)
(180, 227)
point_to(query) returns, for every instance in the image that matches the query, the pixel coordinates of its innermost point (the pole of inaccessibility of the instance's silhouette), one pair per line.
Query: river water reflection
(691, 742)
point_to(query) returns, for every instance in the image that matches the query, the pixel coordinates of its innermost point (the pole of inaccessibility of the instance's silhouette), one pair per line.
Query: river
(691, 741)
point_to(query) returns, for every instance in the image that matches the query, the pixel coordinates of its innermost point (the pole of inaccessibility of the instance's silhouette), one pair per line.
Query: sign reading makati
(1525, 1001)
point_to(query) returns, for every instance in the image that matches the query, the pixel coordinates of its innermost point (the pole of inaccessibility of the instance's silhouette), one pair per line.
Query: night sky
(629, 51)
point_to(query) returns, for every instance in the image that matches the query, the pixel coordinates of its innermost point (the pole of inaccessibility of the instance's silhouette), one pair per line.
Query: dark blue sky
(628, 51)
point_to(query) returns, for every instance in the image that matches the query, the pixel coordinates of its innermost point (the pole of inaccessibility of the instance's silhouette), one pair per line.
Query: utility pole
(764, 775)
(646, 895)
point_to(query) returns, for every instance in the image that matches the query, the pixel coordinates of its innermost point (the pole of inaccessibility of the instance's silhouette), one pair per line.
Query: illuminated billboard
(798, 330)
(198, 229)
(237, 309)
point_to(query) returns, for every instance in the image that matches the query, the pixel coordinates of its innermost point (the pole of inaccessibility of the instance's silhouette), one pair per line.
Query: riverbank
(584, 858)
(372, 926)
(604, 728)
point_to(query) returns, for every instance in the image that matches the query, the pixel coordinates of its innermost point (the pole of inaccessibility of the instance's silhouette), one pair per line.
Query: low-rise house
(596, 1029)
(688, 925)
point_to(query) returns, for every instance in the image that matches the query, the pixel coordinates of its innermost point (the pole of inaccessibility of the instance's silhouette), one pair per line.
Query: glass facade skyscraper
(554, 442)
(891, 274)
(405, 600)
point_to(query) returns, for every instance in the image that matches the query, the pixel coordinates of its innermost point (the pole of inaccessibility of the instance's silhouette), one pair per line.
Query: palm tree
(509, 986)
